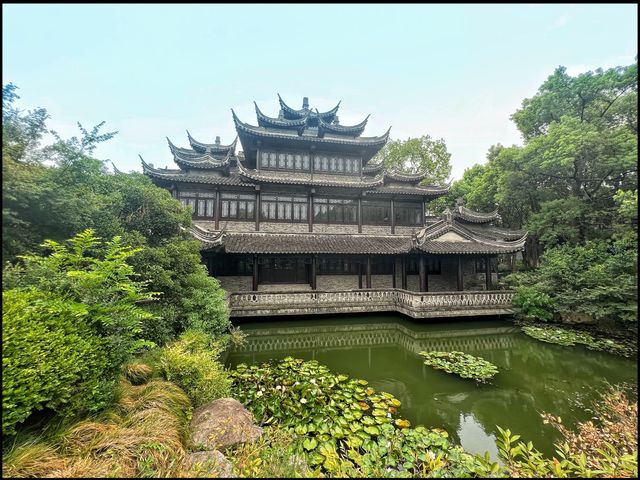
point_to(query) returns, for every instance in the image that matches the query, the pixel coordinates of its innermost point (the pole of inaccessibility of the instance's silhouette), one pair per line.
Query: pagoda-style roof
(303, 243)
(316, 179)
(471, 216)
(178, 175)
(186, 158)
(213, 149)
(115, 169)
(293, 114)
(297, 125)
(354, 130)
(372, 169)
(250, 136)
(396, 176)
(401, 190)
(451, 236)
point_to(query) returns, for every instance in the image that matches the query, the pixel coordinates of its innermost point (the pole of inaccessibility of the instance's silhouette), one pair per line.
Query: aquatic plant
(346, 427)
(566, 337)
(461, 364)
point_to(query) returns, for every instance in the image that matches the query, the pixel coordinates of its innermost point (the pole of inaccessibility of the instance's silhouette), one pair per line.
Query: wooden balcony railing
(413, 304)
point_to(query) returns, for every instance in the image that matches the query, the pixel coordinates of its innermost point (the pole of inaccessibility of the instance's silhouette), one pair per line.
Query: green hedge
(50, 358)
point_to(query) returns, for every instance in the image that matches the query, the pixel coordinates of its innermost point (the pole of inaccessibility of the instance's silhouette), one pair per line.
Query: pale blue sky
(451, 71)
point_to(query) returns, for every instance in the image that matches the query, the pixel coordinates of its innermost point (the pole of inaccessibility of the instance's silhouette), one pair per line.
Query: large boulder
(211, 464)
(221, 424)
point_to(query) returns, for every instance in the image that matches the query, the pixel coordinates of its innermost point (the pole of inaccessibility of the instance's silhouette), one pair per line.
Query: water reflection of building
(309, 338)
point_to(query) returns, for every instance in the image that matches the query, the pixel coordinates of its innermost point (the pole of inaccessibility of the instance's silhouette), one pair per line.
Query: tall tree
(424, 155)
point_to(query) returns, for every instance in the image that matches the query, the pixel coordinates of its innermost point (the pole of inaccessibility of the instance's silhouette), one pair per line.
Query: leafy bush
(533, 303)
(346, 427)
(50, 358)
(461, 364)
(190, 299)
(77, 308)
(192, 363)
(597, 279)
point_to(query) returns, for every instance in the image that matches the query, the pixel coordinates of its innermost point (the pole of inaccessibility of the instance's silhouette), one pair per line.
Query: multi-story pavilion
(302, 209)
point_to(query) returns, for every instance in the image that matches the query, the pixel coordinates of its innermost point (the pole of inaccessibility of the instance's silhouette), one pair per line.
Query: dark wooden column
(314, 261)
(403, 273)
(360, 274)
(487, 271)
(393, 273)
(257, 212)
(359, 215)
(218, 208)
(368, 271)
(423, 213)
(393, 219)
(423, 274)
(254, 286)
(459, 275)
(310, 209)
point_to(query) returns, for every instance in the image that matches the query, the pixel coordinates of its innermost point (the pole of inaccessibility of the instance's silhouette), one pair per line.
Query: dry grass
(137, 373)
(143, 436)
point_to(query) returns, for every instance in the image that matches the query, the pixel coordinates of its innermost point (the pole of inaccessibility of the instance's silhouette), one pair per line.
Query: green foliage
(192, 363)
(89, 285)
(533, 303)
(190, 299)
(346, 427)
(418, 155)
(51, 357)
(461, 364)
(41, 201)
(597, 279)
(566, 337)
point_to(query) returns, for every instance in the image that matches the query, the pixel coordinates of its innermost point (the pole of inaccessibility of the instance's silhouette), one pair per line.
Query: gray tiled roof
(430, 190)
(291, 243)
(475, 217)
(173, 175)
(292, 113)
(471, 241)
(212, 148)
(352, 130)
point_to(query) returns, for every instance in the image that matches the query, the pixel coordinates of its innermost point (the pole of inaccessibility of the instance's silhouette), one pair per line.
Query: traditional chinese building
(303, 209)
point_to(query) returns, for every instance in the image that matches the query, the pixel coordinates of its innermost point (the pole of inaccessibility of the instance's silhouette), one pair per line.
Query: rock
(577, 318)
(223, 423)
(211, 464)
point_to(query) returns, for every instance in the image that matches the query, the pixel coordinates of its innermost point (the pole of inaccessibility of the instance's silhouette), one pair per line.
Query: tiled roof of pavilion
(192, 159)
(281, 123)
(115, 169)
(353, 130)
(214, 149)
(297, 243)
(316, 179)
(173, 175)
(396, 176)
(293, 114)
(373, 168)
(422, 190)
(470, 216)
(309, 135)
(450, 236)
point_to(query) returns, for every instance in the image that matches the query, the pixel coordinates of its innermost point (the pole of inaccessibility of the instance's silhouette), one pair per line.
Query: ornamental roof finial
(305, 102)
(217, 140)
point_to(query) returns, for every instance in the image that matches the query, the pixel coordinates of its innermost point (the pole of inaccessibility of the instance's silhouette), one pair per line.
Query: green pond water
(534, 376)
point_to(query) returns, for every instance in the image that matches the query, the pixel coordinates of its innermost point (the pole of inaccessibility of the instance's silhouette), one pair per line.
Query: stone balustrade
(413, 304)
